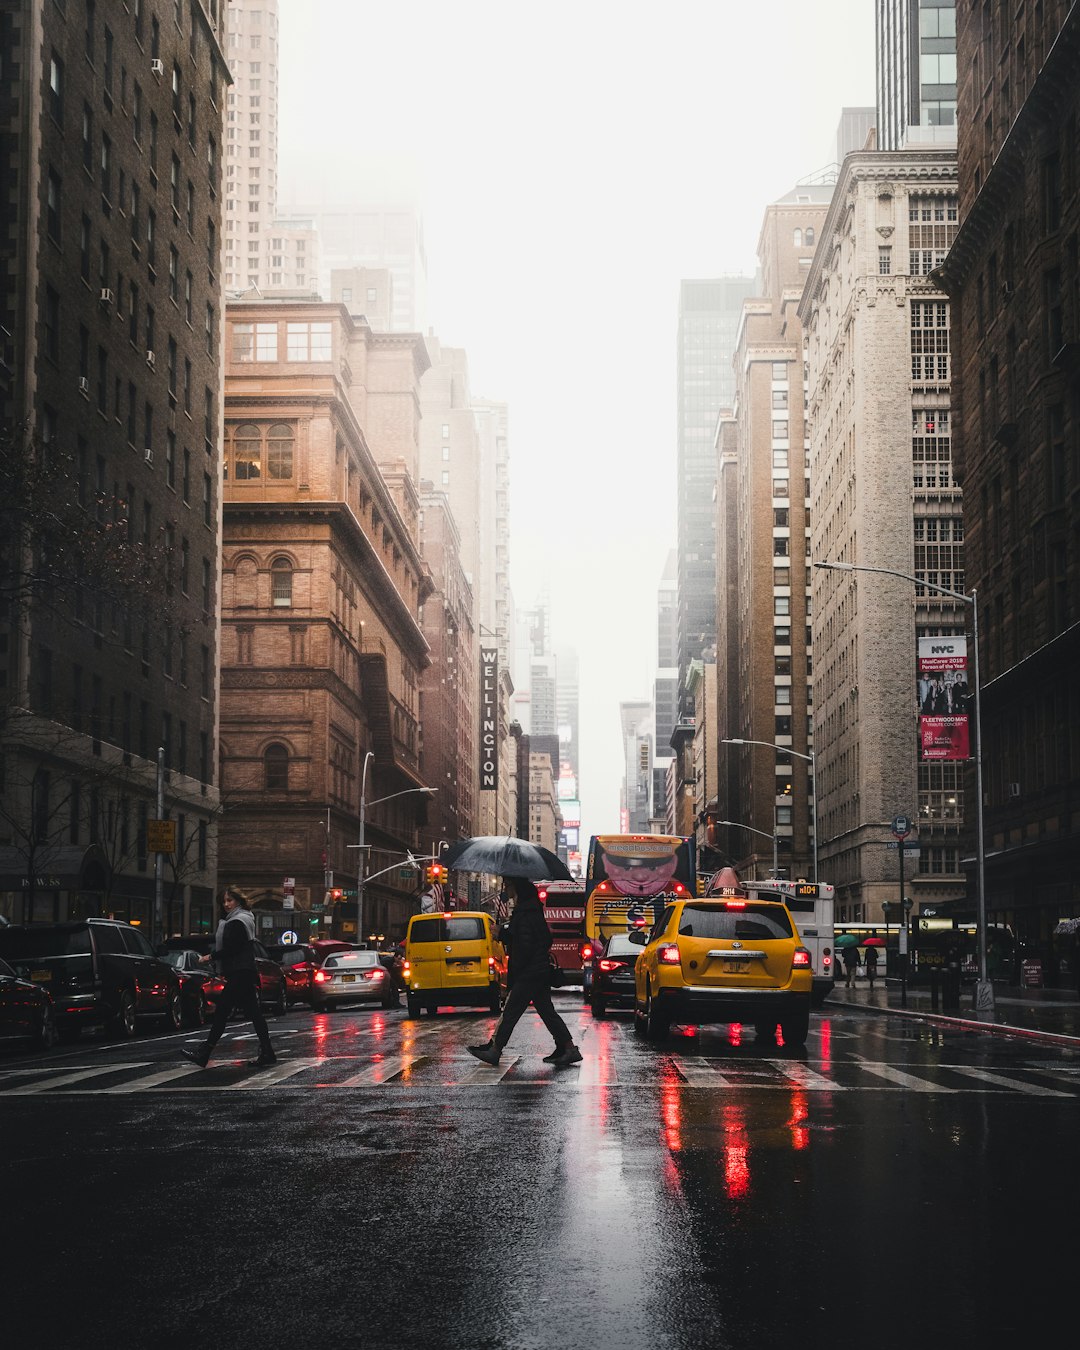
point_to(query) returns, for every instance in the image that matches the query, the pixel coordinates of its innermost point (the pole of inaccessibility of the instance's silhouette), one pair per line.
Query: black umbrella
(505, 856)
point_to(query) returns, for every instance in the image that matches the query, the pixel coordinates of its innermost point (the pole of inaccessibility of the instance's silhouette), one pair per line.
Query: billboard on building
(571, 813)
(943, 698)
(489, 719)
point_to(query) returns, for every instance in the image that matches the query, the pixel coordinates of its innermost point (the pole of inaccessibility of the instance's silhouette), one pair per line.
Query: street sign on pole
(901, 827)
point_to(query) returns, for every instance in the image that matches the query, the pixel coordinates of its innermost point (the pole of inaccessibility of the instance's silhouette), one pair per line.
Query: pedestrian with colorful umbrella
(851, 963)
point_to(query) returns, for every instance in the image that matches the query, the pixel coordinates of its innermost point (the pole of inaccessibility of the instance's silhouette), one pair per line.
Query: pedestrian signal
(333, 896)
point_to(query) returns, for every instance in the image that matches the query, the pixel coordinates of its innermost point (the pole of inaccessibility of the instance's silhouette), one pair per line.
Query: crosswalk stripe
(153, 1080)
(65, 1079)
(271, 1077)
(806, 1077)
(699, 1074)
(998, 1080)
(486, 1075)
(382, 1071)
(901, 1079)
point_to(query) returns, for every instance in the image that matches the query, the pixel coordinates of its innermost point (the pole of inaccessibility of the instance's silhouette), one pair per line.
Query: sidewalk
(1051, 1015)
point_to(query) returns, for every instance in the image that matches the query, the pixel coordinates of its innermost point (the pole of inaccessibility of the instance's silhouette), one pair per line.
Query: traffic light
(436, 874)
(442, 874)
(334, 896)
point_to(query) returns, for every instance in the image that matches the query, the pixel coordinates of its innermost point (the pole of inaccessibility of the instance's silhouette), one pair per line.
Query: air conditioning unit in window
(148, 456)
(151, 360)
(157, 67)
(1013, 789)
(84, 385)
(105, 296)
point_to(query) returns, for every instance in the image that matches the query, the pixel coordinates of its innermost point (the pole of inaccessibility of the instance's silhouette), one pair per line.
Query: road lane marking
(998, 1080)
(806, 1077)
(151, 1080)
(382, 1071)
(64, 1079)
(699, 1074)
(486, 1075)
(901, 1079)
(275, 1074)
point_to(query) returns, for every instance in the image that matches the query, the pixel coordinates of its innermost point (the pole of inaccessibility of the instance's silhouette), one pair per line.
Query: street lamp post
(360, 866)
(984, 990)
(810, 759)
(764, 834)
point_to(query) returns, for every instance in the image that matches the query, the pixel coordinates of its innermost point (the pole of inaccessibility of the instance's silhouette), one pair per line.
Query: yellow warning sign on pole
(161, 836)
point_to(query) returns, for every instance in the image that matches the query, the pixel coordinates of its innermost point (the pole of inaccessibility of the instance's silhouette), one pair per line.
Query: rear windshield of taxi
(438, 929)
(758, 922)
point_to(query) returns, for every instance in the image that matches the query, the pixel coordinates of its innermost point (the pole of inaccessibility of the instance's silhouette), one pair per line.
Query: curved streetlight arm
(764, 834)
(811, 759)
(364, 804)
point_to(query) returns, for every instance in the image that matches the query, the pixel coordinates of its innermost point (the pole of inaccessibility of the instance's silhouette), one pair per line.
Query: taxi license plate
(41, 976)
(736, 967)
(348, 979)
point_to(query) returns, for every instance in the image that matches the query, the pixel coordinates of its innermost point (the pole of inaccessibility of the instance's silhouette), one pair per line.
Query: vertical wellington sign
(489, 720)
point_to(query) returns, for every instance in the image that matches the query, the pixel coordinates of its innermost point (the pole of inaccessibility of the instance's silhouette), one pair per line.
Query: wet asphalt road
(894, 1184)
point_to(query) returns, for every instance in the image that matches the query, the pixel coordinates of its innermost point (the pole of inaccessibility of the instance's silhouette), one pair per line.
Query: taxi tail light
(734, 904)
(801, 959)
(668, 955)
(608, 966)
(405, 968)
(491, 961)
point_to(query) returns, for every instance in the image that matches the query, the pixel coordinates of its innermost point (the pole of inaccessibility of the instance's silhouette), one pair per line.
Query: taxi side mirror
(638, 937)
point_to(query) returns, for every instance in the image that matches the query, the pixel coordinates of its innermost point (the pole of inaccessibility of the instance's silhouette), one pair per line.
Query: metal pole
(813, 809)
(984, 992)
(903, 933)
(158, 934)
(368, 757)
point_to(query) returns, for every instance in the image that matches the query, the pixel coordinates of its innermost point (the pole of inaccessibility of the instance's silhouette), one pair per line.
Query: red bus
(564, 905)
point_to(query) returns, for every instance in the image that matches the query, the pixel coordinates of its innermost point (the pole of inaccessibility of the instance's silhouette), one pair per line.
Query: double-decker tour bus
(564, 908)
(629, 876)
(812, 905)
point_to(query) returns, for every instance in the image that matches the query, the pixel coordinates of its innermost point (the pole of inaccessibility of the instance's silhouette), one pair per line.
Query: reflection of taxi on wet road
(453, 958)
(733, 959)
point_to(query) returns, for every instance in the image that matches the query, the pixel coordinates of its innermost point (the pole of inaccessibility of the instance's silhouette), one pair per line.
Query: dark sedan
(613, 975)
(26, 1010)
(199, 985)
(298, 963)
(272, 990)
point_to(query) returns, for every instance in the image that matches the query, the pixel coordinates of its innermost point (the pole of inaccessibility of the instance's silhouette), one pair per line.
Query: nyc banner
(943, 698)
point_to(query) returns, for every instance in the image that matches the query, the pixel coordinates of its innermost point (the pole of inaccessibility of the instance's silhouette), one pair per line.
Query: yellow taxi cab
(730, 959)
(453, 959)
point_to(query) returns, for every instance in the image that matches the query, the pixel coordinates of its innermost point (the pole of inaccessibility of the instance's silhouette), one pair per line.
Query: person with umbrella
(851, 963)
(528, 979)
(871, 960)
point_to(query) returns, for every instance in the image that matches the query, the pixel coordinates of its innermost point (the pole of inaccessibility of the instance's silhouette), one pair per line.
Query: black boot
(266, 1058)
(200, 1057)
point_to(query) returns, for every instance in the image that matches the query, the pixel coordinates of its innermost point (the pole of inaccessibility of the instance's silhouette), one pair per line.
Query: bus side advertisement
(627, 876)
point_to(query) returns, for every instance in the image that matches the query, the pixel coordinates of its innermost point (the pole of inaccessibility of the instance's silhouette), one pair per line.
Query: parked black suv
(98, 972)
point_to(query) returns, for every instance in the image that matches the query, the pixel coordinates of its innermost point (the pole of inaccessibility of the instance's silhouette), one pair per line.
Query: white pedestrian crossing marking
(151, 1080)
(271, 1077)
(66, 1079)
(998, 1080)
(806, 1077)
(700, 1073)
(486, 1075)
(384, 1070)
(902, 1079)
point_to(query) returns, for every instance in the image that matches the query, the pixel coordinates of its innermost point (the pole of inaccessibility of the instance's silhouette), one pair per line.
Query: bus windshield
(629, 875)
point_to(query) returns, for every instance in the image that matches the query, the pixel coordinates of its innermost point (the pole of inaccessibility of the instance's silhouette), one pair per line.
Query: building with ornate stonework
(322, 584)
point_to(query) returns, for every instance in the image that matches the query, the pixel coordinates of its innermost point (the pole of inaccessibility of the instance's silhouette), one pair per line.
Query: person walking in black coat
(529, 980)
(235, 954)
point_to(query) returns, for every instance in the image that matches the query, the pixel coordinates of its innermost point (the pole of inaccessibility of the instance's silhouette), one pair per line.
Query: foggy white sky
(573, 161)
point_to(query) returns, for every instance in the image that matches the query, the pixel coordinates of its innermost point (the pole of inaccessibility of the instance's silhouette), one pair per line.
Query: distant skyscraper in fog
(853, 129)
(709, 314)
(666, 683)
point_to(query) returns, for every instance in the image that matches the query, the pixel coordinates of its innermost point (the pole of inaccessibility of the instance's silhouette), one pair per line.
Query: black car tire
(281, 1003)
(47, 1033)
(656, 1025)
(796, 1027)
(765, 1031)
(412, 1005)
(639, 1020)
(599, 1007)
(172, 1019)
(69, 1032)
(201, 1011)
(122, 1022)
(495, 1001)
(433, 1009)
(391, 999)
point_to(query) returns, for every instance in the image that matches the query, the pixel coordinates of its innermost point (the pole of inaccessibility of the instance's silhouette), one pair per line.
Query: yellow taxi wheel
(796, 1027)
(656, 1025)
(412, 1003)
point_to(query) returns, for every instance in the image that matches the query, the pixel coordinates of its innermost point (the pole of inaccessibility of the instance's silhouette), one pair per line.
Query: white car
(353, 977)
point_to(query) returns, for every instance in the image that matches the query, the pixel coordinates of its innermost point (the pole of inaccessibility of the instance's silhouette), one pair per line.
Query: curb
(969, 1024)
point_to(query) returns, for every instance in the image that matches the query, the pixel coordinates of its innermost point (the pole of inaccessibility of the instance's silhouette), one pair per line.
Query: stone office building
(1014, 275)
(322, 583)
(111, 317)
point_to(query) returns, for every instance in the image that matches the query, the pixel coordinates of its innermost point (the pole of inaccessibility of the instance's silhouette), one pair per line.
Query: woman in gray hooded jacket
(235, 955)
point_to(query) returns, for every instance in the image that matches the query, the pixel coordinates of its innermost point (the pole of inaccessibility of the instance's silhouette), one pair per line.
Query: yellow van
(453, 959)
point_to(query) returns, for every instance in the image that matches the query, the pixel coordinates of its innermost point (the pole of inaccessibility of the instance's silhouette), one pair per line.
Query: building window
(884, 262)
(254, 342)
(53, 199)
(276, 768)
(256, 452)
(308, 342)
(281, 579)
(808, 238)
(780, 429)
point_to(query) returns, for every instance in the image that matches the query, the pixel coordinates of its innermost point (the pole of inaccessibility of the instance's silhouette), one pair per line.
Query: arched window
(281, 582)
(276, 767)
(247, 452)
(798, 238)
(279, 451)
(809, 235)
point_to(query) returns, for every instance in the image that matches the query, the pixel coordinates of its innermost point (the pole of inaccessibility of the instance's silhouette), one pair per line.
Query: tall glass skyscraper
(916, 71)
(709, 314)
